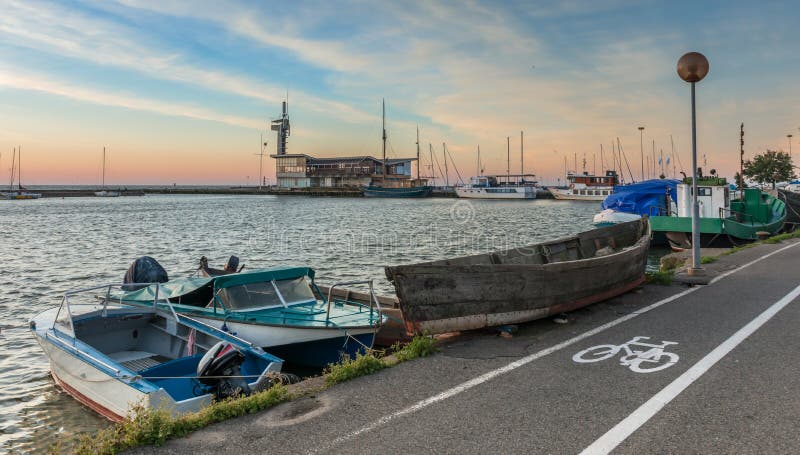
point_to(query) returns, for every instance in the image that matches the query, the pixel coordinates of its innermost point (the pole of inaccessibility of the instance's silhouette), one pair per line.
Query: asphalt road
(729, 391)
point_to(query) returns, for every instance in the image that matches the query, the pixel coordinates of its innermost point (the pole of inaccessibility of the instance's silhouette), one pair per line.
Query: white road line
(639, 417)
(526, 360)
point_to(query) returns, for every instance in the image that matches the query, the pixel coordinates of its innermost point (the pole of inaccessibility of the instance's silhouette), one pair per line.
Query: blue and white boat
(113, 357)
(279, 309)
(630, 202)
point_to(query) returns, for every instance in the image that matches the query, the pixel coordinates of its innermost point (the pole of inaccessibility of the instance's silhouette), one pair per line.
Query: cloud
(128, 101)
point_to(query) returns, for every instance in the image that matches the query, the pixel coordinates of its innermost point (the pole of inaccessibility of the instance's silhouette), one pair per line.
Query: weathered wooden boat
(113, 357)
(522, 284)
(792, 201)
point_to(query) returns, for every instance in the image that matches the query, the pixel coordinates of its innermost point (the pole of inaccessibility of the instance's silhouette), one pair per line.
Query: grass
(659, 277)
(348, 368)
(708, 259)
(149, 426)
(420, 346)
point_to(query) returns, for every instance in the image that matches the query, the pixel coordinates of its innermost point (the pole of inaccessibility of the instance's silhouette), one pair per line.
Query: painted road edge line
(651, 407)
(464, 386)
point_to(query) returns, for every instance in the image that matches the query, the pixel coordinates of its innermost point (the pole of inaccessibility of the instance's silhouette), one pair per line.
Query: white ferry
(498, 187)
(585, 187)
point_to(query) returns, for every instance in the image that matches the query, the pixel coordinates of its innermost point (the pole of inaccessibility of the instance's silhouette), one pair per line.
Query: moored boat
(522, 284)
(16, 169)
(586, 187)
(114, 357)
(276, 309)
(629, 202)
(792, 200)
(723, 220)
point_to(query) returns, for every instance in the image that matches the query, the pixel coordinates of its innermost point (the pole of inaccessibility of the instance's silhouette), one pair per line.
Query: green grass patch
(149, 426)
(707, 259)
(348, 368)
(419, 346)
(659, 277)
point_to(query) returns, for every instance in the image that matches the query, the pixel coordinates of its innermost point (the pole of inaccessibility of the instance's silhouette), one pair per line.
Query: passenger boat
(722, 220)
(522, 284)
(276, 309)
(498, 187)
(586, 187)
(114, 357)
(629, 202)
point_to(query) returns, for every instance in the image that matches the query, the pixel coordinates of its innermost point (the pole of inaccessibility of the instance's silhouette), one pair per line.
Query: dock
(726, 381)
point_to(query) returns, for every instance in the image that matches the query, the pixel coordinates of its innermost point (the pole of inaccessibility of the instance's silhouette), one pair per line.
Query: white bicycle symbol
(638, 360)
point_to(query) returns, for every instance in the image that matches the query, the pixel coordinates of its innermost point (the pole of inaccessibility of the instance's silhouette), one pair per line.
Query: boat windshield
(253, 296)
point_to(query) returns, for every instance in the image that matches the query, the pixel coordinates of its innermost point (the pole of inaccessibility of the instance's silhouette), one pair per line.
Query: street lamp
(790, 144)
(693, 67)
(641, 147)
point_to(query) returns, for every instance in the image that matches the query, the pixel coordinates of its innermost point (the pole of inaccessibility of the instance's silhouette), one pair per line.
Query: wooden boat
(522, 284)
(113, 357)
(792, 201)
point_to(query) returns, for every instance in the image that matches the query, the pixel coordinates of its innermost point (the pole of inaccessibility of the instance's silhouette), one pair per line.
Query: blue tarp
(643, 198)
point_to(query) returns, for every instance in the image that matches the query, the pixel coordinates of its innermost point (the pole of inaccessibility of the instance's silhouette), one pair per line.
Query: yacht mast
(446, 172)
(508, 159)
(19, 167)
(383, 119)
(104, 168)
(418, 162)
(521, 156)
(13, 169)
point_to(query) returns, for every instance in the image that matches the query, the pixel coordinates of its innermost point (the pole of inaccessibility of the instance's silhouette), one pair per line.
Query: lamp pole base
(696, 271)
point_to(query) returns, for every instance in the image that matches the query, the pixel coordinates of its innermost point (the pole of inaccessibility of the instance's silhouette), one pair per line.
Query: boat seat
(136, 360)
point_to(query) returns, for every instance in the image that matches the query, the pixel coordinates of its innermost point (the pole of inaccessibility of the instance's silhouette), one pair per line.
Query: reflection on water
(52, 245)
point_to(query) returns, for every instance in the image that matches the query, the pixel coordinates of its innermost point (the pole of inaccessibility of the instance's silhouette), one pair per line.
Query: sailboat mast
(433, 171)
(480, 172)
(521, 156)
(418, 162)
(19, 167)
(13, 168)
(446, 172)
(104, 168)
(383, 120)
(508, 159)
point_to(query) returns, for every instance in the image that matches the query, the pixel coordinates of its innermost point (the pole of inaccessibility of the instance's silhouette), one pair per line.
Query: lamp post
(692, 68)
(641, 148)
(790, 144)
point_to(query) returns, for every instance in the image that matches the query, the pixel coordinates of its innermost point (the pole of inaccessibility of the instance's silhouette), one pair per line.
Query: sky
(182, 92)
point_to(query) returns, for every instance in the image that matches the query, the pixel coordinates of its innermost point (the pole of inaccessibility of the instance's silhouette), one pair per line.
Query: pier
(727, 385)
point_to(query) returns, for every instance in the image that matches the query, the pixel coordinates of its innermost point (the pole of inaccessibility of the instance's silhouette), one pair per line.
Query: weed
(419, 346)
(149, 426)
(707, 259)
(663, 278)
(348, 368)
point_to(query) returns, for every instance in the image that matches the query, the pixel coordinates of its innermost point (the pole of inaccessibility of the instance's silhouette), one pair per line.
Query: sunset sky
(180, 91)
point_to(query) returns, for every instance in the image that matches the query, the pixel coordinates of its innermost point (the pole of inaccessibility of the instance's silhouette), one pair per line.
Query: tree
(739, 181)
(770, 167)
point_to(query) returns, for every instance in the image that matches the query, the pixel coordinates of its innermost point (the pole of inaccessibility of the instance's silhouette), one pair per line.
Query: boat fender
(220, 369)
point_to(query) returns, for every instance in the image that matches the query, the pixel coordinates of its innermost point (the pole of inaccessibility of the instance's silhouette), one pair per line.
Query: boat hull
(412, 192)
(522, 192)
(597, 194)
(521, 285)
(309, 346)
(792, 201)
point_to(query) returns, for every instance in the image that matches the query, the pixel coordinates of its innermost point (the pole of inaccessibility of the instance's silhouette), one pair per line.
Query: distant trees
(770, 167)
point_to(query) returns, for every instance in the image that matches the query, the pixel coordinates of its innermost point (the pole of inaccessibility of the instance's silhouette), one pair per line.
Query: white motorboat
(586, 187)
(112, 357)
(494, 187)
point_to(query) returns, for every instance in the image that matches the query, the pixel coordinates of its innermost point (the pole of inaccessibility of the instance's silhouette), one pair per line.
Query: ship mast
(383, 120)
(418, 162)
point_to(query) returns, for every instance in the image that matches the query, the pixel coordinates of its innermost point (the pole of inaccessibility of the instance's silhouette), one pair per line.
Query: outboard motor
(144, 270)
(223, 359)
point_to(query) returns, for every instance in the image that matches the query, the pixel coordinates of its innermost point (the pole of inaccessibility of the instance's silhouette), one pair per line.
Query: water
(49, 246)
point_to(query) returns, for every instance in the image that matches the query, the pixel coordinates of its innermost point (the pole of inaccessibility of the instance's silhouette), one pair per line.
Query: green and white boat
(722, 220)
(279, 309)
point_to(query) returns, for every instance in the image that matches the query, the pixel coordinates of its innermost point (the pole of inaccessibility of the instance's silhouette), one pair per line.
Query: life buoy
(571, 185)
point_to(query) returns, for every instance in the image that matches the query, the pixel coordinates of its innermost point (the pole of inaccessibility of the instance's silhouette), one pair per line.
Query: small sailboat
(112, 357)
(405, 188)
(279, 309)
(20, 192)
(103, 192)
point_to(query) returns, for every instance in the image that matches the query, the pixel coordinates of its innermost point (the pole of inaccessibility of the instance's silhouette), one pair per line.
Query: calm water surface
(49, 246)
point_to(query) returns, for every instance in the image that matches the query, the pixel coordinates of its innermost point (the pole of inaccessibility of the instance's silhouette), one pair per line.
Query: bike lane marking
(651, 407)
(488, 376)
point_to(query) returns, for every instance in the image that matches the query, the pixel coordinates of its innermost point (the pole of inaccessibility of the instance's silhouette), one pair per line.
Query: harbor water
(49, 246)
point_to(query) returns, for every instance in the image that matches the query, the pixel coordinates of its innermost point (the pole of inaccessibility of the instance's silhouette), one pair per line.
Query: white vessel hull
(582, 194)
(267, 336)
(611, 216)
(520, 192)
(107, 193)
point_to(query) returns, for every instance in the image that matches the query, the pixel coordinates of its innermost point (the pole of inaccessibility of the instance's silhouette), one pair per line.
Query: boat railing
(741, 217)
(373, 297)
(65, 304)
